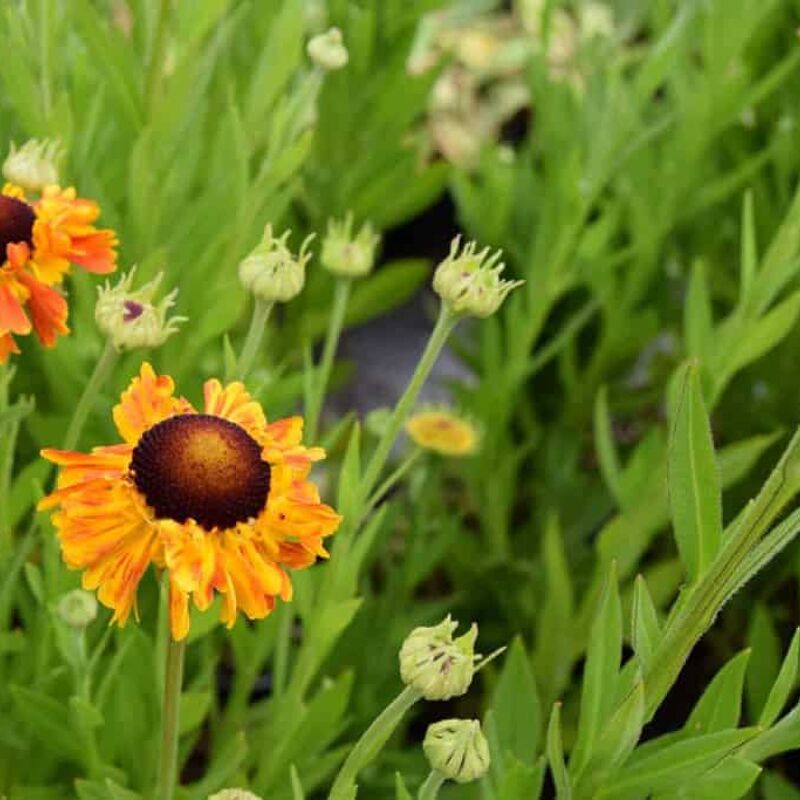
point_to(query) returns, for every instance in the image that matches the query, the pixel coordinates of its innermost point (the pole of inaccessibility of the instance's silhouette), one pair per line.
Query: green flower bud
(130, 319)
(34, 165)
(77, 608)
(327, 50)
(457, 749)
(234, 794)
(436, 665)
(346, 255)
(272, 272)
(469, 281)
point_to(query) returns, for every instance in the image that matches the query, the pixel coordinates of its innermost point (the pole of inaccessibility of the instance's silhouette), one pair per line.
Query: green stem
(173, 679)
(444, 326)
(371, 743)
(252, 342)
(430, 789)
(102, 369)
(341, 297)
(390, 482)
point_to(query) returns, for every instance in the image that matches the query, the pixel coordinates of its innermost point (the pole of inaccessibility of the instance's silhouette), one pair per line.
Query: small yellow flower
(443, 432)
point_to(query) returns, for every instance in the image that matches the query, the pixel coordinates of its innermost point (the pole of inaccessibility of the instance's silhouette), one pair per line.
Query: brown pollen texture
(16, 223)
(201, 467)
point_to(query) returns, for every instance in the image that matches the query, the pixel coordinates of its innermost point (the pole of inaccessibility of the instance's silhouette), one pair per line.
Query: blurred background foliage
(638, 164)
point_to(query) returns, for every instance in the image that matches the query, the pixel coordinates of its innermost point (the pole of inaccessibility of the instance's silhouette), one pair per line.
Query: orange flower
(219, 498)
(38, 242)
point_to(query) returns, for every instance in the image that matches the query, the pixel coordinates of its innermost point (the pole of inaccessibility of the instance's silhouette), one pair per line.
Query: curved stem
(335, 323)
(168, 760)
(430, 789)
(102, 369)
(252, 342)
(444, 326)
(371, 743)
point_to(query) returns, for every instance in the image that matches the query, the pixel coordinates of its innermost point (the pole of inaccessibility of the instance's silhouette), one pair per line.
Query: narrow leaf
(694, 482)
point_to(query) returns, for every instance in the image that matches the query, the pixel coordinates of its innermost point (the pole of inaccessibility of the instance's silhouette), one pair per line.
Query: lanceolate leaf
(645, 630)
(783, 686)
(555, 756)
(720, 705)
(694, 483)
(600, 674)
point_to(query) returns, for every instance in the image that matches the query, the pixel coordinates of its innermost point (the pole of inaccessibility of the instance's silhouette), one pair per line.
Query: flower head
(219, 498)
(327, 50)
(77, 608)
(348, 255)
(272, 272)
(457, 749)
(437, 665)
(34, 165)
(443, 432)
(130, 319)
(38, 242)
(234, 794)
(469, 281)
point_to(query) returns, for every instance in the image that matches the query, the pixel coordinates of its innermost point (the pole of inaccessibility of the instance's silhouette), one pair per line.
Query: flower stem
(444, 326)
(341, 297)
(252, 342)
(371, 743)
(430, 789)
(173, 678)
(102, 369)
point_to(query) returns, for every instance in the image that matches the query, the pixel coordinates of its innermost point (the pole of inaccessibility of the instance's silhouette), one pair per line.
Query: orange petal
(12, 316)
(234, 403)
(48, 310)
(7, 347)
(147, 401)
(178, 612)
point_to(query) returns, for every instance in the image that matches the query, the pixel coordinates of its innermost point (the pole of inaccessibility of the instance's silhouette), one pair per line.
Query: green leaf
(390, 286)
(749, 250)
(737, 459)
(694, 481)
(297, 787)
(720, 705)
(194, 708)
(661, 769)
(515, 703)
(620, 735)
(555, 626)
(698, 319)
(731, 779)
(48, 720)
(766, 647)
(555, 756)
(782, 737)
(521, 780)
(605, 446)
(400, 790)
(600, 674)
(645, 629)
(783, 686)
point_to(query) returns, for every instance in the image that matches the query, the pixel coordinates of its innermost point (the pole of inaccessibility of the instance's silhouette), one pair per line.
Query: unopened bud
(34, 165)
(348, 255)
(77, 608)
(272, 272)
(469, 281)
(130, 318)
(327, 50)
(457, 749)
(234, 794)
(436, 665)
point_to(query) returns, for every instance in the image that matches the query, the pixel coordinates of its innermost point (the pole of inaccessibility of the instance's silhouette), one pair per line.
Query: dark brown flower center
(201, 467)
(16, 223)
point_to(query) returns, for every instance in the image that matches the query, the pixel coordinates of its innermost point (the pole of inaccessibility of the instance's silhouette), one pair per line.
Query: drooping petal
(13, 318)
(48, 310)
(7, 347)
